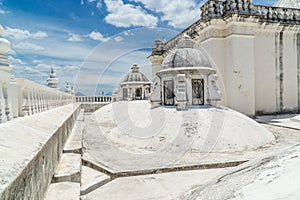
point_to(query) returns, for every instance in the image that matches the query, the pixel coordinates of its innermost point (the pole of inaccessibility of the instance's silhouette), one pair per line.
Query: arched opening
(138, 93)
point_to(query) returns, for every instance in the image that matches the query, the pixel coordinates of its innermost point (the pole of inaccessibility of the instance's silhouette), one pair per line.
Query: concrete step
(91, 180)
(74, 142)
(81, 115)
(68, 169)
(63, 191)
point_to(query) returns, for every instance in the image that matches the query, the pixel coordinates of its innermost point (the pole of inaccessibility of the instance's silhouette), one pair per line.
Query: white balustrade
(21, 97)
(93, 99)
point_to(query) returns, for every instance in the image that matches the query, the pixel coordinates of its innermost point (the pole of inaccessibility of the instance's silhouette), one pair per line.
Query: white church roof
(186, 55)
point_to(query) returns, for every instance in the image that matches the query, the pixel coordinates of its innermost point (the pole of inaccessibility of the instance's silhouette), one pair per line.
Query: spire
(68, 88)
(157, 48)
(52, 80)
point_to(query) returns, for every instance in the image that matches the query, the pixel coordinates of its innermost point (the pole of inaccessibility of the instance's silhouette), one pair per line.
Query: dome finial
(186, 42)
(135, 68)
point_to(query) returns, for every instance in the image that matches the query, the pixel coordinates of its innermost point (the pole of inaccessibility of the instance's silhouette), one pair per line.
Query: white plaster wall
(239, 72)
(290, 81)
(215, 50)
(265, 76)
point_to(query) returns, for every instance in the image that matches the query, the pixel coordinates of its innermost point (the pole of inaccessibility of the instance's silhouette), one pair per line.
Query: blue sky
(90, 43)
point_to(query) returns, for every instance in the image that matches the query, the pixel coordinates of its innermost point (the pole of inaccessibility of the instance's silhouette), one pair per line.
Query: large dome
(186, 55)
(288, 3)
(135, 75)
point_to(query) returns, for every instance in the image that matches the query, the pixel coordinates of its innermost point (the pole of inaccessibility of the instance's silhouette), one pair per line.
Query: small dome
(186, 55)
(135, 75)
(288, 3)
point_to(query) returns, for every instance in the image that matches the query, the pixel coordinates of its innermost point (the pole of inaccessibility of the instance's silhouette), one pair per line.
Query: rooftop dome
(185, 55)
(288, 3)
(135, 75)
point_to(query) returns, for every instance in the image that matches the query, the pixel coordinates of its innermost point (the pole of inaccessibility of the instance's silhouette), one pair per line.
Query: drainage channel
(114, 175)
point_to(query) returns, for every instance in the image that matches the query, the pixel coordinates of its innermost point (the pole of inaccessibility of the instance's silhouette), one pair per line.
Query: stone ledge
(68, 169)
(30, 148)
(63, 191)
(91, 180)
(74, 142)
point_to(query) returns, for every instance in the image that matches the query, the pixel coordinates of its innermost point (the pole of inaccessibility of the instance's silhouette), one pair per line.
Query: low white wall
(30, 148)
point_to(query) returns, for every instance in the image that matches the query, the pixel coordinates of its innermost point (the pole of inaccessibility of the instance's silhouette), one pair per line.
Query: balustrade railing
(20, 97)
(93, 99)
(216, 9)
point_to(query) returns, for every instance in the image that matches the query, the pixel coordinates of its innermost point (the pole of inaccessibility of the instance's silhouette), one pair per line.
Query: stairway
(71, 179)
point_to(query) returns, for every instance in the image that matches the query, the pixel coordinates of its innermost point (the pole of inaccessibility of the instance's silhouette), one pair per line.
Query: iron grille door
(125, 93)
(168, 92)
(198, 91)
(138, 93)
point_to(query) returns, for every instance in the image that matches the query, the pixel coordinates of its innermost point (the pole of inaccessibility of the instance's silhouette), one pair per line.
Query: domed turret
(186, 55)
(187, 77)
(134, 86)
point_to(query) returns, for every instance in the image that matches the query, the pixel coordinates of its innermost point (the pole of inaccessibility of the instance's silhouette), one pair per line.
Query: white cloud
(118, 39)
(2, 12)
(97, 36)
(13, 60)
(127, 15)
(74, 37)
(28, 46)
(23, 34)
(178, 13)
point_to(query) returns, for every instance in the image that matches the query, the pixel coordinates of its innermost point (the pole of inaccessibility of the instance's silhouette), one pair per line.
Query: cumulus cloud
(97, 36)
(178, 13)
(20, 34)
(28, 46)
(127, 15)
(14, 61)
(74, 37)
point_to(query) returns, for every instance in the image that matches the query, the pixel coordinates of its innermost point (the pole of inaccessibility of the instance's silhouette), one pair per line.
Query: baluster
(250, 6)
(24, 102)
(31, 103)
(233, 5)
(0, 102)
(270, 14)
(275, 16)
(286, 15)
(280, 14)
(296, 16)
(5, 96)
(239, 5)
(38, 101)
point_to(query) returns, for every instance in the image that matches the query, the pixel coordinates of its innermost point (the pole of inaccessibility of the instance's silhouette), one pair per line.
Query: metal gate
(138, 93)
(197, 91)
(125, 94)
(169, 92)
